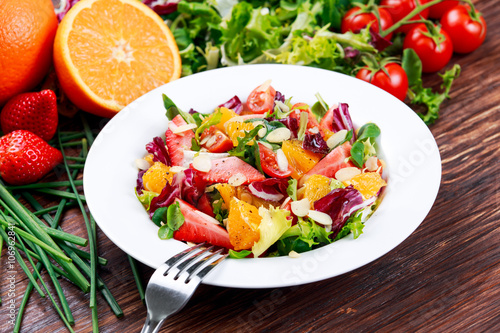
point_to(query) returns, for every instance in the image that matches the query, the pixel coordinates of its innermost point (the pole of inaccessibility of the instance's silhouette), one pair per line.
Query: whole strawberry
(25, 157)
(35, 112)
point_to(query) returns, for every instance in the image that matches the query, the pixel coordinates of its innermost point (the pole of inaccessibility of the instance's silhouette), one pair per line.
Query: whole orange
(27, 34)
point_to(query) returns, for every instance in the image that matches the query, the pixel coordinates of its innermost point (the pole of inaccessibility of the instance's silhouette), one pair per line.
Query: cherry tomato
(437, 10)
(400, 8)
(466, 33)
(269, 163)
(355, 20)
(261, 99)
(297, 108)
(433, 56)
(396, 83)
(215, 141)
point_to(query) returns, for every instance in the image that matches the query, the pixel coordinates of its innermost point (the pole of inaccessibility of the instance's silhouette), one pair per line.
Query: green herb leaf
(292, 189)
(412, 65)
(239, 254)
(159, 216)
(369, 130)
(320, 108)
(358, 153)
(213, 119)
(173, 111)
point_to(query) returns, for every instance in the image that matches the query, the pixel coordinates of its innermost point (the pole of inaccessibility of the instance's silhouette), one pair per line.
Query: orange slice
(107, 53)
(236, 129)
(368, 184)
(243, 224)
(317, 186)
(156, 177)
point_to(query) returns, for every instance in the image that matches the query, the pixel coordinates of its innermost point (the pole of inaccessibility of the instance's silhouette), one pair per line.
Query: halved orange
(107, 53)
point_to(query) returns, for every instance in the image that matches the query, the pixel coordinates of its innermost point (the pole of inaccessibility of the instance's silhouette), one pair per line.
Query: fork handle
(152, 325)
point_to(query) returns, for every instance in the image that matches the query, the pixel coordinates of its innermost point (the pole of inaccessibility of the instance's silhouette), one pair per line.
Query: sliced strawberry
(25, 157)
(204, 205)
(198, 227)
(35, 112)
(223, 169)
(333, 162)
(215, 140)
(177, 143)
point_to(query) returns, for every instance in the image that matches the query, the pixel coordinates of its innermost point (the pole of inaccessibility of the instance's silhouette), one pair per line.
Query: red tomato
(261, 99)
(400, 8)
(434, 57)
(269, 163)
(355, 20)
(215, 141)
(437, 10)
(466, 33)
(396, 83)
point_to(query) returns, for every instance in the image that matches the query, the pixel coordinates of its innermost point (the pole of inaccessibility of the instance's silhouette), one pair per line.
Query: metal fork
(173, 283)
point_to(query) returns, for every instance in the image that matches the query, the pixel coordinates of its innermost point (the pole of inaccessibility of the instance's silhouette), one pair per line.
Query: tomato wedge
(215, 140)
(261, 99)
(269, 163)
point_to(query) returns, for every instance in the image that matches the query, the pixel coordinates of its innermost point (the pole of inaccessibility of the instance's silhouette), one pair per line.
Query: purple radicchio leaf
(63, 8)
(189, 191)
(233, 104)
(159, 151)
(350, 52)
(378, 41)
(167, 195)
(192, 111)
(271, 189)
(342, 120)
(279, 97)
(315, 143)
(162, 7)
(339, 204)
(140, 185)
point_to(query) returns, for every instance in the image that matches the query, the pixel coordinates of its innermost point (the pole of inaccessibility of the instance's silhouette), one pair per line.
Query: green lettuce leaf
(273, 225)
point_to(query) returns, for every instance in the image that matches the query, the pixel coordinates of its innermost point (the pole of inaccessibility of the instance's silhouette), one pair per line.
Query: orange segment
(107, 53)
(236, 129)
(226, 115)
(243, 224)
(316, 187)
(368, 184)
(226, 192)
(156, 177)
(300, 160)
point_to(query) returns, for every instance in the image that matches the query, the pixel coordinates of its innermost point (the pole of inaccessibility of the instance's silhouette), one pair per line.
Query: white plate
(411, 153)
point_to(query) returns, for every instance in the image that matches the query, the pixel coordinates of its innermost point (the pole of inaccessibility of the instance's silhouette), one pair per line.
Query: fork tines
(193, 263)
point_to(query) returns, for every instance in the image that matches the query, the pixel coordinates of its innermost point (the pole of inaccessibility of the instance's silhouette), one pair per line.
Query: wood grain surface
(444, 278)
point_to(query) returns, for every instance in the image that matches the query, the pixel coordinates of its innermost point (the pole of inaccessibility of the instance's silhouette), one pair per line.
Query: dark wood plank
(444, 278)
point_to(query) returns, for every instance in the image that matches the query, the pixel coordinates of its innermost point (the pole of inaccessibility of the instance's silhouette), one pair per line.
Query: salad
(265, 177)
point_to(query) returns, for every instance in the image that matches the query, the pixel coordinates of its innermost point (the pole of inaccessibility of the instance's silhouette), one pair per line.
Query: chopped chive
(36, 229)
(37, 257)
(76, 158)
(87, 130)
(95, 320)
(55, 252)
(64, 204)
(22, 264)
(76, 166)
(92, 243)
(71, 144)
(44, 185)
(85, 255)
(137, 276)
(61, 194)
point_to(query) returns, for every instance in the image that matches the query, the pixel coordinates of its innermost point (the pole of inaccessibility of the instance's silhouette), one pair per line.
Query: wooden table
(444, 278)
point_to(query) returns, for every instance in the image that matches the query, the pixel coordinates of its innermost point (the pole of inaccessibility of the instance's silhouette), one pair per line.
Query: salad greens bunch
(217, 33)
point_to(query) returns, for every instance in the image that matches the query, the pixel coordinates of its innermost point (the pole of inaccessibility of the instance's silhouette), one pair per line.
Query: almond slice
(301, 207)
(346, 174)
(202, 163)
(183, 128)
(279, 135)
(337, 138)
(320, 217)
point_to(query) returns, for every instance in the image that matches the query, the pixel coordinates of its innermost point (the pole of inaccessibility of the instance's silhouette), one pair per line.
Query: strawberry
(233, 168)
(35, 112)
(177, 143)
(25, 157)
(199, 227)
